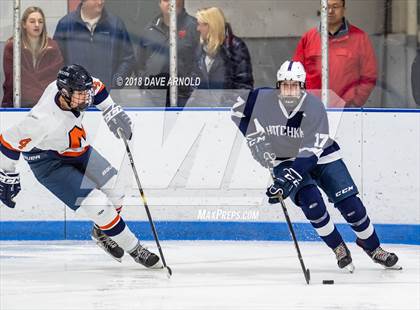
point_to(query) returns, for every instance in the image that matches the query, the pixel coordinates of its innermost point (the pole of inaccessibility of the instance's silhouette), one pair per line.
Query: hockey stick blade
(307, 276)
(169, 270)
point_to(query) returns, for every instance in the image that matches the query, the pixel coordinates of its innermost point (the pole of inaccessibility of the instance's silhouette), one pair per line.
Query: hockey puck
(327, 281)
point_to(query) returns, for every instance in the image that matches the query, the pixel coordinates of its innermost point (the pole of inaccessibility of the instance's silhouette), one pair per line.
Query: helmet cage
(301, 84)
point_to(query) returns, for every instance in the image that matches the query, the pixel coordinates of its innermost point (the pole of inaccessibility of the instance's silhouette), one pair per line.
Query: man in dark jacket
(92, 37)
(153, 52)
(415, 78)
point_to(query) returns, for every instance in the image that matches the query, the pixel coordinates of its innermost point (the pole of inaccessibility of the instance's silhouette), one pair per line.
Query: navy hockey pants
(71, 179)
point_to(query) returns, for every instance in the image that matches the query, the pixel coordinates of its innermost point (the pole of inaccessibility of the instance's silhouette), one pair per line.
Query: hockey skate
(143, 256)
(343, 256)
(384, 258)
(107, 244)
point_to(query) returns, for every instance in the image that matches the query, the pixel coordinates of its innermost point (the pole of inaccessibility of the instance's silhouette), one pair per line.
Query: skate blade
(395, 267)
(100, 245)
(350, 268)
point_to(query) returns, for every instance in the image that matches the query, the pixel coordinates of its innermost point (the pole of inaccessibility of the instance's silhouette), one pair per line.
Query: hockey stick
(143, 197)
(305, 270)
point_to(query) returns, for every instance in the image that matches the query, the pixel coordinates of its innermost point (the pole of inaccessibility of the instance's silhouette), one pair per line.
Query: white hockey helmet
(291, 71)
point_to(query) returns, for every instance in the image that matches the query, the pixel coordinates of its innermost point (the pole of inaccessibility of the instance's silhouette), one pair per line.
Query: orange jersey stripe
(112, 223)
(7, 145)
(75, 154)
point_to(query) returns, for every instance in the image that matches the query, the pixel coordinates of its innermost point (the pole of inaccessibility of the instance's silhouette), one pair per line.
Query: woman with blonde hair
(40, 60)
(223, 59)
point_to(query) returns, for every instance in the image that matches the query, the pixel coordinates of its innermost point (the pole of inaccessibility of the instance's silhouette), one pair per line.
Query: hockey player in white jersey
(54, 143)
(287, 131)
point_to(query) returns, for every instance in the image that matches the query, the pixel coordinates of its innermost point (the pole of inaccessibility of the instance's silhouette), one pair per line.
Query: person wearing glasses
(352, 60)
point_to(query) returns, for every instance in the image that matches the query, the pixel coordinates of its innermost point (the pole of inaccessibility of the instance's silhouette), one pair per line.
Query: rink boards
(202, 183)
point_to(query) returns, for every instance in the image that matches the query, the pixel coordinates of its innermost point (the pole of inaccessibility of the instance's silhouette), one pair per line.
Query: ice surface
(206, 275)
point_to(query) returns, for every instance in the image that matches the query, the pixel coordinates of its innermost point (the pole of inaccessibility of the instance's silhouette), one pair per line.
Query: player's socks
(313, 206)
(111, 224)
(143, 256)
(107, 244)
(102, 212)
(354, 212)
(124, 237)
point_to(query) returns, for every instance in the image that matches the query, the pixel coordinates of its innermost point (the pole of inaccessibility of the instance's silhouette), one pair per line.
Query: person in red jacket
(40, 61)
(352, 59)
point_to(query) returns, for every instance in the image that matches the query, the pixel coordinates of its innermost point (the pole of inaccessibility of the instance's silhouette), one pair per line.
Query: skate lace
(108, 242)
(143, 253)
(340, 252)
(380, 254)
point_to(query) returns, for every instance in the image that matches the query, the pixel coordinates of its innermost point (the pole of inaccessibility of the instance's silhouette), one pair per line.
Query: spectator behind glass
(352, 59)
(415, 78)
(153, 52)
(223, 58)
(40, 60)
(241, 60)
(97, 40)
(223, 62)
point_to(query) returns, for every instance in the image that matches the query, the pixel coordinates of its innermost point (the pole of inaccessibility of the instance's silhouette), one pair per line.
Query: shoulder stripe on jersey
(100, 96)
(102, 86)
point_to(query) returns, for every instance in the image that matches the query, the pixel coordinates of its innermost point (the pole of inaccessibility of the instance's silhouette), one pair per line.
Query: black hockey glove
(261, 149)
(115, 118)
(9, 187)
(283, 185)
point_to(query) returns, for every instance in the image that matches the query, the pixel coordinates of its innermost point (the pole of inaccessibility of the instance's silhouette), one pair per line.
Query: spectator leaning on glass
(153, 47)
(223, 58)
(97, 40)
(352, 58)
(40, 61)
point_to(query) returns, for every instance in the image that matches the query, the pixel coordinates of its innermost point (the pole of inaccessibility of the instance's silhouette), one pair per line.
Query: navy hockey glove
(9, 187)
(283, 185)
(115, 118)
(261, 149)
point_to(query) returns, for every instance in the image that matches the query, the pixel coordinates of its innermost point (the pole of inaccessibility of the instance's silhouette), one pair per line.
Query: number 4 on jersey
(75, 136)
